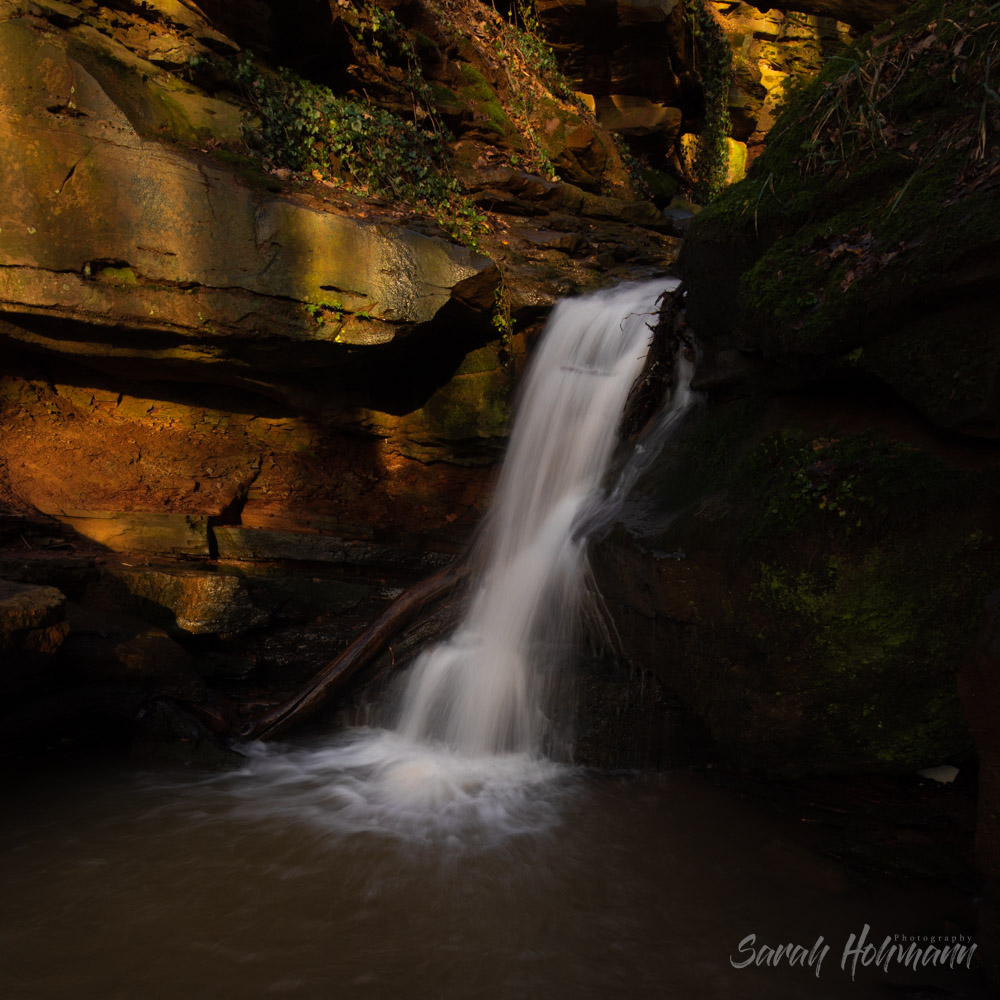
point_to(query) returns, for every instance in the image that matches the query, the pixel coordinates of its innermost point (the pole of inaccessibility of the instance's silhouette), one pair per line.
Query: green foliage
(716, 66)
(380, 32)
(306, 127)
(877, 187)
(323, 312)
(530, 68)
(503, 323)
(524, 33)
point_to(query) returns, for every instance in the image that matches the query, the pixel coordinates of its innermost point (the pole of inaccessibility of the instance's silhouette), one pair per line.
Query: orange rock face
(76, 452)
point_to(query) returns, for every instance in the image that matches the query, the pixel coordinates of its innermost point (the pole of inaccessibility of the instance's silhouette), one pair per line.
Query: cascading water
(481, 691)
(465, 756)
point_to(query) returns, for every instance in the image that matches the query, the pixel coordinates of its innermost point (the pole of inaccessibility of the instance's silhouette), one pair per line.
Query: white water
(465, 759)
(482, 691)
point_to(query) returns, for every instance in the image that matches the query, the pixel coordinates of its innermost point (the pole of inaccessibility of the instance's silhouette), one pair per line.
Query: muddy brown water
(290, 879)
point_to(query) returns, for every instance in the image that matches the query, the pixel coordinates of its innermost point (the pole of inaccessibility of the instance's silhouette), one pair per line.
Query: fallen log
(277, 721)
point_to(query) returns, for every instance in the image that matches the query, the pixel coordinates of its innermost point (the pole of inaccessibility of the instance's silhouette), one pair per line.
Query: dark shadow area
(394, 378)
(300, 34)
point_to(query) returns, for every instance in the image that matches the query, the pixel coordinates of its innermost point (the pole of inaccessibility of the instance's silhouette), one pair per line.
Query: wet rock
(167, 732)
(291, 656)
(192, 602)
(795, 627)
(302, 598)
(679, 213)
(32, 628)
(110, 648)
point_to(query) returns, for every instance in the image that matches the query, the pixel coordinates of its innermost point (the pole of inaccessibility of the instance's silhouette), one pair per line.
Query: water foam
(374, 781)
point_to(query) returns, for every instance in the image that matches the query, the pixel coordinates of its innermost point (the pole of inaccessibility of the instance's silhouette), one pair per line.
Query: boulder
(803, 576)
(691, 149)
(32, 627)
(189, 602)
(133, 531)
(105, 647)
(197, 262)
(638, 117)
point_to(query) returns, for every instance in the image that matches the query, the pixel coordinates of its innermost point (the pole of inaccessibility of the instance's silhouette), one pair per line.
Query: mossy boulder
(806, 580)
(866, 239)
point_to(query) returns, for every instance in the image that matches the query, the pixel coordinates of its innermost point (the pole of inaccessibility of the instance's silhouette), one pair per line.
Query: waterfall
(481, 691)
(465, 761)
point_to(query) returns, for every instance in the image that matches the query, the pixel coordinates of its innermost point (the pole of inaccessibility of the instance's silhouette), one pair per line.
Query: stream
(547, 881)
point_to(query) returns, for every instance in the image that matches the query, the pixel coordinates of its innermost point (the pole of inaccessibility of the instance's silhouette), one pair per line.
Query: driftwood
(277, 721)
(648, 392)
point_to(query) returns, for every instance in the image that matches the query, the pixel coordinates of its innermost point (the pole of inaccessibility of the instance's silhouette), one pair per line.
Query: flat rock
(637, 116)
(25, 606)
(260, 545)
(140, 531)
(194, 602)
(32, 627)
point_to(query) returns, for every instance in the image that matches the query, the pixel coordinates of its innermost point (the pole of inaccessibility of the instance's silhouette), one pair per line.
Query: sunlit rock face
(635, 59)
(150, 275)
(188, 334)
(108, 222)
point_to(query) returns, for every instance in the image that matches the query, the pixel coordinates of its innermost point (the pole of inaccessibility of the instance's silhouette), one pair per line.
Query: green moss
(484, 100)
(661, 186)
(859, 627)
(485, 359)
(468, 407)
(711, 163)
(445, 99)
(707, 448)
(859, 485)
(117, 276)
